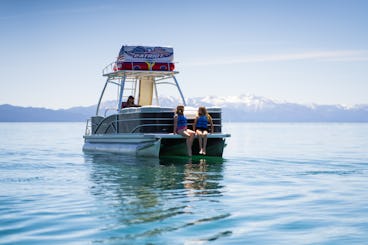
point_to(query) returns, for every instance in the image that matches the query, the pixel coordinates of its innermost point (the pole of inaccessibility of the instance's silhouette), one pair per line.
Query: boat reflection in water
(144, 197)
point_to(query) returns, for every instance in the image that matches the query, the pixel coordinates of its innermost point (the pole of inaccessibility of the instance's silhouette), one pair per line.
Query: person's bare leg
(204, 142)
(191, 139)
(189, 135)
(189, 147)
(200, 141)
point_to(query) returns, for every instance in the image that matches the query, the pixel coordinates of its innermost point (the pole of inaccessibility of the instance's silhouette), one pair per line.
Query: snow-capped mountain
(252, 108)
(243, 108)
(248, 102)
(251, 102)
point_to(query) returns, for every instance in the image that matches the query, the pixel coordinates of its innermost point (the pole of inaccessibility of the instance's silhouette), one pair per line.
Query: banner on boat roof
(145, 53)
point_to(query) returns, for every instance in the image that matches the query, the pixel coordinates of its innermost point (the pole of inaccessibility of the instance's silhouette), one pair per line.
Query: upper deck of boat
(111, 72)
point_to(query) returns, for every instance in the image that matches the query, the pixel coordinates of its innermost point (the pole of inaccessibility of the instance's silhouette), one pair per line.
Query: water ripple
(277, 184)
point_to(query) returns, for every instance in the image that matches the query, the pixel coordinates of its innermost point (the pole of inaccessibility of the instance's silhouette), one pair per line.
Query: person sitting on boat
(200, 126)
(181, 127)
(129, 103)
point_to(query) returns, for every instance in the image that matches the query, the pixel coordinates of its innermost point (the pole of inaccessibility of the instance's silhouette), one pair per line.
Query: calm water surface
(276, 184)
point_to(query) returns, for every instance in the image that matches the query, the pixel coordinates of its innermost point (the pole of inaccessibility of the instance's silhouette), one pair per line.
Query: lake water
(276, 184)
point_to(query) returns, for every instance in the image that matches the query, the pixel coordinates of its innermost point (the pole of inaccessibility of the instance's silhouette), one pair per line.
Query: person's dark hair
(179, 109)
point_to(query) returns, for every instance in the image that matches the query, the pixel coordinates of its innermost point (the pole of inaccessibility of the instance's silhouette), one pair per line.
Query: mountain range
(243, 108)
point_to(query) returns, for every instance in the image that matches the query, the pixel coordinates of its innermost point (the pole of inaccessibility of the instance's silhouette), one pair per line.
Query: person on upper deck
(200, 126)
(181, 127)
(129, 103)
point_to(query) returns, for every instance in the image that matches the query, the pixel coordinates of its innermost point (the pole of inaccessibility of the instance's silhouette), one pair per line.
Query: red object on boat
(144, 66)
(163, 67)
(126, 66)
(140, 66)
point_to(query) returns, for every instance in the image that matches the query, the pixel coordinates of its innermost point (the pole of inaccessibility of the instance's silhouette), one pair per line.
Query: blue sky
(312, 51)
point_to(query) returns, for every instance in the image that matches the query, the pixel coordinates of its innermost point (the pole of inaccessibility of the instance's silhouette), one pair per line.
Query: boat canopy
(143, 67)
(146, 54)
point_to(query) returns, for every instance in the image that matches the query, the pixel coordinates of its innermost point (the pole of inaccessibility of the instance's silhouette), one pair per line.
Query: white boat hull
(149, 145)
(139, 145)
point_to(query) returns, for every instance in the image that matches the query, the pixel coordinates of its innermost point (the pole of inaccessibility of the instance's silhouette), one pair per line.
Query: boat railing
(110, 109)
(113, 68)
(109, 68)
(88, 129)
(150, 125)
(113, 124)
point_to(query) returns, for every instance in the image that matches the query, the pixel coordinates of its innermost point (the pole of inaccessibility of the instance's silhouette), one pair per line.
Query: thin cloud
(333, 56)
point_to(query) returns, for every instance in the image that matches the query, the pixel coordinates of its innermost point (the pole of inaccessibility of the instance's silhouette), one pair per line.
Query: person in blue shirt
(200, 127)
(181, 127)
